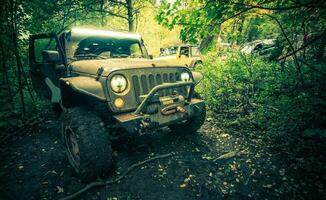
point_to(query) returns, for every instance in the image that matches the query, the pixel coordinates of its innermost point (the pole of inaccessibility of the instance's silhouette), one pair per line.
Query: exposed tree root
(230, 154)
(103, 183)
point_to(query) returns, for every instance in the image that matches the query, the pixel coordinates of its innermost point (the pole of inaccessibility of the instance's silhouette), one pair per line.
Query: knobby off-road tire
(192, 124)
(87, 144)
(198, 66)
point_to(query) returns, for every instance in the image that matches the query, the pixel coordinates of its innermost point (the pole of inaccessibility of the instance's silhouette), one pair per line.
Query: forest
(264, 87)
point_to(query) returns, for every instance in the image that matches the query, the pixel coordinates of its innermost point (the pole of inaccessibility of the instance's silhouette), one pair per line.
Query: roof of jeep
(106, 33)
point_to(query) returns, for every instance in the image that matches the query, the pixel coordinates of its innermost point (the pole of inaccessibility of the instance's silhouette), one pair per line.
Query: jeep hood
(109, 65)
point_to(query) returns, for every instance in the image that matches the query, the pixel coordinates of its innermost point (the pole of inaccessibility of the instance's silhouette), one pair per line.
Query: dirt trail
(212, 164)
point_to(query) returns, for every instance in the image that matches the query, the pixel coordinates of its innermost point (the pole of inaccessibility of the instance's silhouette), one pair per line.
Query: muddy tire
(198, 66)
(87, 144)
(192, 124)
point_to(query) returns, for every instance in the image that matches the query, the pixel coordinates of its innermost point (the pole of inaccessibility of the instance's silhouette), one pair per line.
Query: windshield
(101, 47)
(168, 51)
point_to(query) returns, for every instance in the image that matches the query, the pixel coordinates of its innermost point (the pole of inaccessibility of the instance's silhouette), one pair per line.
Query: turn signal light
(119, 103)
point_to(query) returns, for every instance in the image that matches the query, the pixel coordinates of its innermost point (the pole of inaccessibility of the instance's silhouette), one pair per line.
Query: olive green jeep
(108, 87)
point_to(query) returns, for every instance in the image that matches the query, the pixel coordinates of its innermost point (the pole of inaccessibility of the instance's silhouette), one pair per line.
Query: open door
(46, 61)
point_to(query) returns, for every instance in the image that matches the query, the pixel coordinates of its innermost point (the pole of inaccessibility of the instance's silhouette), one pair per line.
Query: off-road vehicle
(185, 54)
(108, 86)
(263, 48)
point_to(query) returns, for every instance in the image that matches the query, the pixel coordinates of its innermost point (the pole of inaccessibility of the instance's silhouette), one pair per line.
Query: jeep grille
(144, 83)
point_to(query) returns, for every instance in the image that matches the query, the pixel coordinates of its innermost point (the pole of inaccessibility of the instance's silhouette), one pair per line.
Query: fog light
(119, 103)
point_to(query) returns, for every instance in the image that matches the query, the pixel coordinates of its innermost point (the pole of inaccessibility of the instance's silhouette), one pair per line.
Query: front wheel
(198, 66)
(87, 144)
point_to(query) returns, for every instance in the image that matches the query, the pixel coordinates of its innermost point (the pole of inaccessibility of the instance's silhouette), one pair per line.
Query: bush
(247, 90)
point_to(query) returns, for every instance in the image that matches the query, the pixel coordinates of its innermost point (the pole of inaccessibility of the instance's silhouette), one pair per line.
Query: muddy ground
(211, 164)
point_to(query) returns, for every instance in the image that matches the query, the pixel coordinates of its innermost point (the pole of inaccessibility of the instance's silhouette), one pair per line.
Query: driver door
(46, 61)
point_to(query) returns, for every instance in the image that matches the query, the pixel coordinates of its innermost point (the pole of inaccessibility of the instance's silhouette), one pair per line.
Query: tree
(127, 10)
(204, 19)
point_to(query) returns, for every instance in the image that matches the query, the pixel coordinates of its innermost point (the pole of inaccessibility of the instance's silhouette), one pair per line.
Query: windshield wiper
(89, 55)
(134, 56)
(120, 56)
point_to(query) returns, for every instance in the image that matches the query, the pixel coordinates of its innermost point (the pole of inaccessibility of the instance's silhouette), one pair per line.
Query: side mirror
(51, 56)
(197, 77)
(150, 56)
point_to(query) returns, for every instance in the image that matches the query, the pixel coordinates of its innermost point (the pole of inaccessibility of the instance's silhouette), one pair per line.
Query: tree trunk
(17, 56)
(206, 41)
(19, 73)
(102, 13)
(5, 76)
(130, 15)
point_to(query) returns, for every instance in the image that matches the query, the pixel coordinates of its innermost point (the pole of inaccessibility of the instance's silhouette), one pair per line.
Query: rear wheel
(192, 124)
(87, 144)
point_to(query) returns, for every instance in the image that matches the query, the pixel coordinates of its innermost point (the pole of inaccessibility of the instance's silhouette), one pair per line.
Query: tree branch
(270, 8)
(299, 5)
(110, 13)
(288, 40)
(302, 47)
(238, 14)
(118, 2)
(103, 183)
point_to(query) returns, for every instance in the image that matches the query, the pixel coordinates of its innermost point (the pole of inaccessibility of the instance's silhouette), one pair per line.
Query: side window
(173, 50)
(41, 45)
(135, 50)
(184, 51)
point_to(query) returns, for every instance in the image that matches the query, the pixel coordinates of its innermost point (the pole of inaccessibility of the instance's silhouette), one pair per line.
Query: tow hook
(145, 125)
(173, 109)
(181, 109)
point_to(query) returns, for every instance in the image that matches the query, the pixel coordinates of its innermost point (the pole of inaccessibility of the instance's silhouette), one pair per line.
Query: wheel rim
(72, 148)
(198, 66)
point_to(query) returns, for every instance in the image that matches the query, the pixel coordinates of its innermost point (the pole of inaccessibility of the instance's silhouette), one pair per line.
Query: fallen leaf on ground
(268, 186)
(60, 189)
(188, 178)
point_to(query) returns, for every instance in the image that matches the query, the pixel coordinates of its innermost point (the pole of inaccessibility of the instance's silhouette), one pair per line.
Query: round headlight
(185, 76)
(118, 83)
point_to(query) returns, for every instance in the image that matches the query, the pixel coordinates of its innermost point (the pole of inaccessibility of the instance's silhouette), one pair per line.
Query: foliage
(282, 96)
(244, 20)
(267, 95)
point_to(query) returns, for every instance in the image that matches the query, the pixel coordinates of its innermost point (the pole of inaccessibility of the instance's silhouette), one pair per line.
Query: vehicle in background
(185, 54)
(259, 47)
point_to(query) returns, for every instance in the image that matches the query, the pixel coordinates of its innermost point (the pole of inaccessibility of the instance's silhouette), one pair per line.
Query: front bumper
(165, 114)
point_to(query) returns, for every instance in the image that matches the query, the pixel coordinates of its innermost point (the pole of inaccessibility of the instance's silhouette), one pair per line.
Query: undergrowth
(249, 92)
